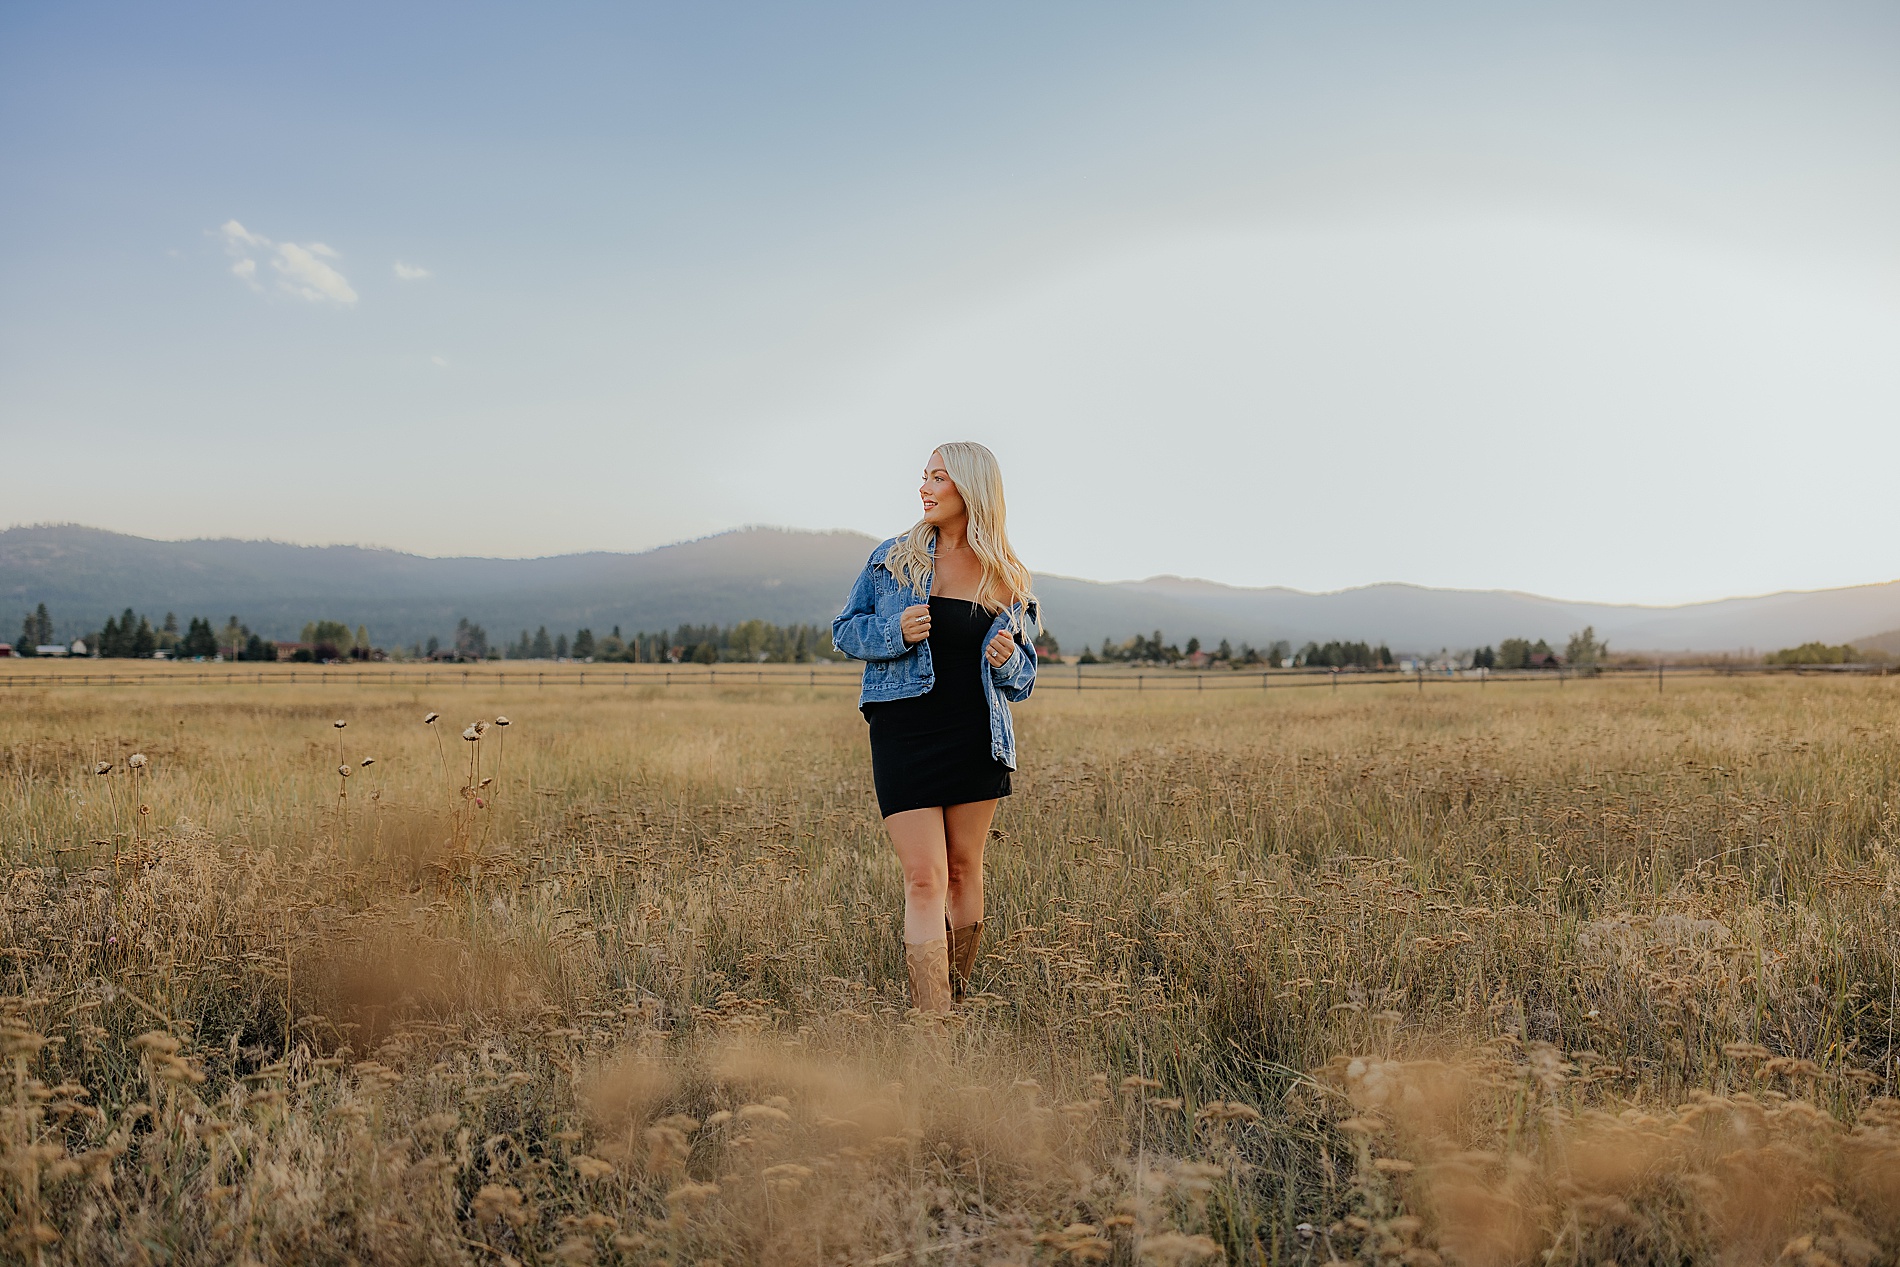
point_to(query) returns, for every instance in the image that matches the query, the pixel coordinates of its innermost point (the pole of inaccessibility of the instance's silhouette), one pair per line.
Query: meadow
(1533, 974)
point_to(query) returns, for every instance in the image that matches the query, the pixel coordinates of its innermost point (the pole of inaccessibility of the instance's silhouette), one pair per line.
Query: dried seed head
(103, 767)
(471, 734)
(136, 760)
(366, 762)
(339, 723)
(156, 1041)
(480, 726)
(343, 770)
(501, 721)
(430, 719)
(145, 809)
(486, 782)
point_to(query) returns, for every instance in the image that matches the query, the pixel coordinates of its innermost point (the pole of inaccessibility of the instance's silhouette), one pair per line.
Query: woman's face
(943, 504)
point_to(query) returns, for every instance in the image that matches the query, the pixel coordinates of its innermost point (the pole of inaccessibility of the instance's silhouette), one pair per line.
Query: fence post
(1418, 667)
(1138, 678)
(1659, 665)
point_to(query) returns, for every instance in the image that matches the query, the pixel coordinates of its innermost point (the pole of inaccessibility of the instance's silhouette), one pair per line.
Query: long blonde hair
(974, 470)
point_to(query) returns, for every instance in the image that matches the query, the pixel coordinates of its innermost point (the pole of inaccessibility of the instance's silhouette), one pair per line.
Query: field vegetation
(1539, 974)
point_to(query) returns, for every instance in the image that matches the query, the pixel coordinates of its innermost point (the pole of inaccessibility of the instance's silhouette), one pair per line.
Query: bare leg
(918, 837)
(966, 831)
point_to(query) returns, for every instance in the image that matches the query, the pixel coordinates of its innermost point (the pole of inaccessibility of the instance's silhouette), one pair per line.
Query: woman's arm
(859, 631)
(1016, 676)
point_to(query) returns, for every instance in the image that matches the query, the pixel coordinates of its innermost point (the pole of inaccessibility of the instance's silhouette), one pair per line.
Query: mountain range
(84, 575)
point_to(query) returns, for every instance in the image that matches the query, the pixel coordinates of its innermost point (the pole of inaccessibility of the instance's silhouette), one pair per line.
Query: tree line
(131, 635)
(747, 642)
(1154, 648)
(1584, 653)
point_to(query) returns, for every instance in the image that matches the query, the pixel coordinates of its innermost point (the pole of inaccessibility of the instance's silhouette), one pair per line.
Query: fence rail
(1051, 678)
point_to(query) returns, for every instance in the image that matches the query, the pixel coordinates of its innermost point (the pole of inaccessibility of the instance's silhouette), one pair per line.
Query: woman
(942, 617)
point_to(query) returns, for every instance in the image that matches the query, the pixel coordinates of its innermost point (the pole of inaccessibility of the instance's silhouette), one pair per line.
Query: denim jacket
(869, 629)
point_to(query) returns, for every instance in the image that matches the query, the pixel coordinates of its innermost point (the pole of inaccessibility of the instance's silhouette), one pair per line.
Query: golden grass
(1537, 974)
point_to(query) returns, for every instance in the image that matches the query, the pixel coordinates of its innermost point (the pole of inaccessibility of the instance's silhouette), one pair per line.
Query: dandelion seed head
(103, 767)
(339, 723)
(471, 734)
(136, 760)
(366, 763)
(430, 719)
(343, 770)
(501, 721)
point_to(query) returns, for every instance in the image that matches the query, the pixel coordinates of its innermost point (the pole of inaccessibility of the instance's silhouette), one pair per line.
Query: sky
(1597, 300)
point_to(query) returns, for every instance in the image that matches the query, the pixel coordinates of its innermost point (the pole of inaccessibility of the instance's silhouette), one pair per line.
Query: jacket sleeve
(1016, 676)
(859, 631)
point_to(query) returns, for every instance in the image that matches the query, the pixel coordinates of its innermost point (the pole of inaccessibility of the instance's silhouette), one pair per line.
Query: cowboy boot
(963, 957)
(929, 966)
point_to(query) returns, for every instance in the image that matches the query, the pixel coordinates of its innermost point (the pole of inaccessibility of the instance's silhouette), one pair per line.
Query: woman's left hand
(1001, 647)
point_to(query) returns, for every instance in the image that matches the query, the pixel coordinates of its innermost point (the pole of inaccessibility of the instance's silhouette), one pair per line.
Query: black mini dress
(934, 749)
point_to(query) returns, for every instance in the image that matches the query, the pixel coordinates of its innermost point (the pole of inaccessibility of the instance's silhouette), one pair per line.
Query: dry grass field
(1536, 974)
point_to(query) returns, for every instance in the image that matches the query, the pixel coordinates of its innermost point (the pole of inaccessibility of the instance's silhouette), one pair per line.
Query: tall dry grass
(1535, 975)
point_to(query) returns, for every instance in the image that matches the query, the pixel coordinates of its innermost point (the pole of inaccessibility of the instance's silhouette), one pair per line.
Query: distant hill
(1888, 642)
(85, 574)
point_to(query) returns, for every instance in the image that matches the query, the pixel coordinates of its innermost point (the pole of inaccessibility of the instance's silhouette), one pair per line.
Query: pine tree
(144, 640)
(543, 646)
(584, 644)
(560, 647)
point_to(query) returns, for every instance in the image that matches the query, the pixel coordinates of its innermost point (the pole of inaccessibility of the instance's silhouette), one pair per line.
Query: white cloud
(307, 276)
(236, 236)
(442, 361)
(411, 273)
(301, 270)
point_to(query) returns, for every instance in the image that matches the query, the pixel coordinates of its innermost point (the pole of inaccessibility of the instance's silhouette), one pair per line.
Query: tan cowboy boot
(963, 957)
(929, 965)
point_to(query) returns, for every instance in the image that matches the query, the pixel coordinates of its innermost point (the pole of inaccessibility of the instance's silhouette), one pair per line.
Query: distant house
(6, 649)
(1546, 660)
(79, 646)
(289, 650)
(52, 649)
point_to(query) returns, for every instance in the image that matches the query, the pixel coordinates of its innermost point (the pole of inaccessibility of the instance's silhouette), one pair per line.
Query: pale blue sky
(1593, 300)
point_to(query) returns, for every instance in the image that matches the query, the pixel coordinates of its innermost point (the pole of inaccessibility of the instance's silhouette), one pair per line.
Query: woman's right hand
(915, 623)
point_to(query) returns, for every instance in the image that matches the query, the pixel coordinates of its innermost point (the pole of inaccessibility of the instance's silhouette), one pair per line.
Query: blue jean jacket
(869, 629)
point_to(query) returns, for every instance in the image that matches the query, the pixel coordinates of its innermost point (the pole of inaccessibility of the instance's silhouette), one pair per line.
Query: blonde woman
(942, 617)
